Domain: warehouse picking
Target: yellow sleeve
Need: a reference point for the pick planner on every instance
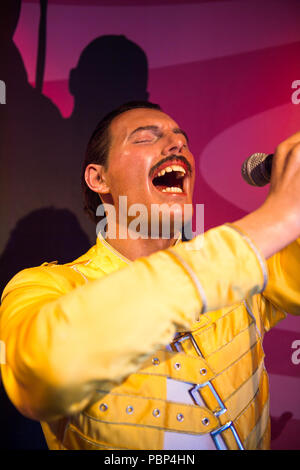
(283, 288)
(64, 340)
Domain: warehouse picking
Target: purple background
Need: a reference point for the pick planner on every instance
(222, 69)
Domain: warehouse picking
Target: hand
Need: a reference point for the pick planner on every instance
(277, 222)
(284, 194)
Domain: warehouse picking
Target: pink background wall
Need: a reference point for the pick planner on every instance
(223, 69)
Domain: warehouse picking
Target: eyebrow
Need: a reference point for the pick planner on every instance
(157, 131)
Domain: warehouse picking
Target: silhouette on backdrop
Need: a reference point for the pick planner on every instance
(41, 156)
(111, 71)
(47, 229)
(44, 227)
(27, 122)
(41, 152)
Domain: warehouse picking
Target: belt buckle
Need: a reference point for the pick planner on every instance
(176, 344)
(217, 433)
(208, 384)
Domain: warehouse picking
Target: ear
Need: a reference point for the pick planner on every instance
(95, 178)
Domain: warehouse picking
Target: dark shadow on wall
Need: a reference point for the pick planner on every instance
(279, 423)
(47, 234)
(111, 70)
(41, 153)
(18, 432)
(40, 236)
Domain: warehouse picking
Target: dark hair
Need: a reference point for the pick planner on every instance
(98, 149)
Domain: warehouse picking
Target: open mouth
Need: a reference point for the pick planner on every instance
(170, 178)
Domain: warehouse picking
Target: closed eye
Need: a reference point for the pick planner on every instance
(142, 141)
(145, 134)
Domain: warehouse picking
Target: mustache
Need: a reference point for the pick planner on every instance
(170, 158)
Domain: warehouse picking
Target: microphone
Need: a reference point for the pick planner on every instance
(256, 170)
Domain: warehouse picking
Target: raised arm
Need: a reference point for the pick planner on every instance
(63, 341)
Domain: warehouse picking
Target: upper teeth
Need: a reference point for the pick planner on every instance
(168, 169)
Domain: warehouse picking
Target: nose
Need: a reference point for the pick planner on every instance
(173, 143)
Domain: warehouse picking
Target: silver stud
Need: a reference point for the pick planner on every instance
(156, 413)
(129, 410)
(205, 421)
(155, 361)
(203, 371)
(103, 407)
(177, 365)
(180, 417)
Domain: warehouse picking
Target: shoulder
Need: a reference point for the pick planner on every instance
(60, 278)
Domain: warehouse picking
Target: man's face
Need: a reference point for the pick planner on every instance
(149, 160)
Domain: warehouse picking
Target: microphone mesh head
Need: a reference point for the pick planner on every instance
(254, 170)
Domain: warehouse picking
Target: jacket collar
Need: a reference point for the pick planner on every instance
(106, 252)
(111, 252)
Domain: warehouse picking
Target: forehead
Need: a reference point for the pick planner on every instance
(127, 122)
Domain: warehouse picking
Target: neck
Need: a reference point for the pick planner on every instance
(136, 248)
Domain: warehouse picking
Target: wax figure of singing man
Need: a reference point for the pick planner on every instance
(152, 343)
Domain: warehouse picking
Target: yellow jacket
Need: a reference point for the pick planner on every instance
(86, 344)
